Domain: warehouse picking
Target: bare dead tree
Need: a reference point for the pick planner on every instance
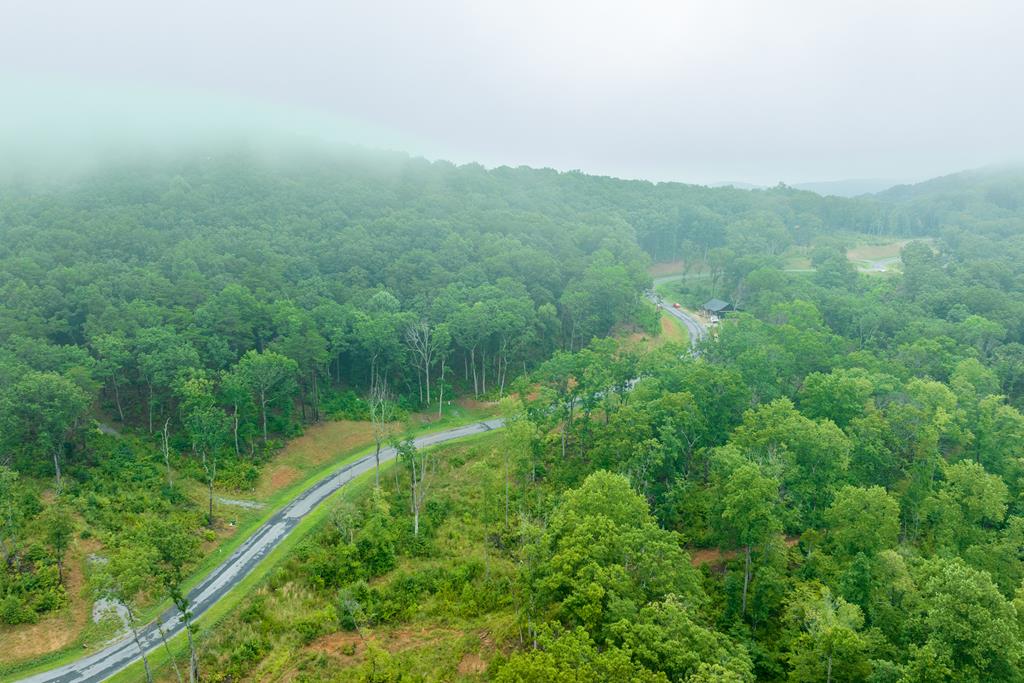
(418, 462)
(440, 384)
(427, 344)
(382, 415)
(167, 451)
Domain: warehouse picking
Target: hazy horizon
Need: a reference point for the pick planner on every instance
(739, 92)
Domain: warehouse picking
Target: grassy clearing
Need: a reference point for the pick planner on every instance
(871, 254)
(873, 251)
(667, 268)
(318, 445)
(68, 634)
(673, 330)
(672, 292)
(667, 290)
(670, 329)
(880, 256)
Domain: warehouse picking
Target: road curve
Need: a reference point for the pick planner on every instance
(693, 326)
(104, 663)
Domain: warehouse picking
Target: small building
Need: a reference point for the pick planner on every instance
(716, 308)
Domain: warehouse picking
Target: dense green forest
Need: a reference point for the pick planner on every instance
(848, 445)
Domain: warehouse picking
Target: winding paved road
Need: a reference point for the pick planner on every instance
(693, 326)
(113, 658)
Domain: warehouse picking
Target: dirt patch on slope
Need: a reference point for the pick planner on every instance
(474, 404)
(320, 444)
(351, 648)
(472, 663)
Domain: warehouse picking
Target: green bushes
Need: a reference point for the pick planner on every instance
(249, 651)
(465, 588)
(345, 405)
(30, 588)
(375, 547)
(14, 610)
(325, 567)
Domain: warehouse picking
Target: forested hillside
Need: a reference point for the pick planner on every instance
(847, 447)
(829, 492)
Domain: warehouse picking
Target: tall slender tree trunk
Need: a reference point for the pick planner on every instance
(210, 467)
(117, 397)
(746, 579)
(167, 648)
(234, 428)
(415, 501)
(483, 371)
(426, 371)
(138, 643)
(506, 486)
(440, 389)
(56, 469)
(376, 473)
(167, 451)
(193, 661)
(316, 396)
(263, 411)
(472, 358)
(502, 372)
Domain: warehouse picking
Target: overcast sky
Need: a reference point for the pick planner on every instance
(693, 91)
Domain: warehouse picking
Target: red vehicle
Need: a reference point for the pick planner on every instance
(676, 306)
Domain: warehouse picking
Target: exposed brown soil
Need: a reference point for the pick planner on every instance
(472, 663)
(474, 404)
(712, 556)
(318, 445)
(339, 644)
(281, 476)
(717, 558)
(397, 640)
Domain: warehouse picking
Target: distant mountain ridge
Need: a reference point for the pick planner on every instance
(852, 187)
(992, 181)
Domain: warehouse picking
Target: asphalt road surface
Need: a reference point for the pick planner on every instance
(113, 658)
(693, 326)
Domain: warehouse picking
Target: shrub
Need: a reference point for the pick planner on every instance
(345, 405)
(14, 611)
(246, 655)
(314, 625)
(376, 549)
